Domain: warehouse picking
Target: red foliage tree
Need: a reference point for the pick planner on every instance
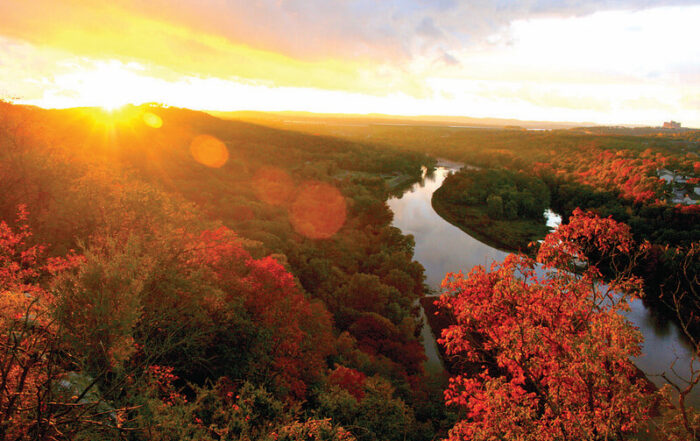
(349, 379)
(32, 403)
(376, 335)
(300, 330)
(551, 347)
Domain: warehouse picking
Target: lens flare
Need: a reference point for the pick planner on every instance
(273, 185)
(209, 151)
(319, 211)
(152, 120)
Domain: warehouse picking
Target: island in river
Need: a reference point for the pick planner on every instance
(499, 207)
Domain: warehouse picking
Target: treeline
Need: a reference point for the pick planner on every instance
(611, 174)
(659, 223)
(569, 150)
(683, 134)
(177, 276)
(504, 194)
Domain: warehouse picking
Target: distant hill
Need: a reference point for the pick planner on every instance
(377, 118)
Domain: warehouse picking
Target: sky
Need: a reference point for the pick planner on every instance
(607, 62)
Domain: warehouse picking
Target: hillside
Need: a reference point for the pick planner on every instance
(218, 275)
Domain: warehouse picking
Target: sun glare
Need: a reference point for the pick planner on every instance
(601, 73)
(152, 120)
(209, 151)
(111, 106)
(109, 85)
(124, 116)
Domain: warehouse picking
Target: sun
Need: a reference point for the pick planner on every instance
(112, 85)
(125, 116)
(111, 106)
(108, 84)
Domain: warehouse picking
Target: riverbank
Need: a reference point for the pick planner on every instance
(505, 235)
(437, 322)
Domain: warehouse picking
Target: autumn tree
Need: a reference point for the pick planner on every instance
(377, 415)
(548, 350)
(293, 333)
(26, 339)
(311, 430)
(42, 397)
(681, 294)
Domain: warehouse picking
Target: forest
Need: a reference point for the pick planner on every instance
(504, 207)
(183, 277)
(166, 274)
(609, 171)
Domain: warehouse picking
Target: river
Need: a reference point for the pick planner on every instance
(441, 248)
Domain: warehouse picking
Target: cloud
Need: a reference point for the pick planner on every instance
(366, 47)
(306, 29)
(428, 29)
(107, 31)
(449, 60)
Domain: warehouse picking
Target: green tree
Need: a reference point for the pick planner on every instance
(494, 206)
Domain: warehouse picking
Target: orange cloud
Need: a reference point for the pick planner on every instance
(110, 31)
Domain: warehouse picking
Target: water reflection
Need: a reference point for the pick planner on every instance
(553, 219)
(442, 248)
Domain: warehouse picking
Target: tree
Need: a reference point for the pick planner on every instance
(494, 206)
(41, 398)
(294, 333)
(379, 415)
(311, 430)
(549, 350)
(681, 294)
(510, 210)
(349, 379)
(27, 334)
(99, 305)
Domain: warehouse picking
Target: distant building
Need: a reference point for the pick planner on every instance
(672, 125)
(666, 175)
(671, 176)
